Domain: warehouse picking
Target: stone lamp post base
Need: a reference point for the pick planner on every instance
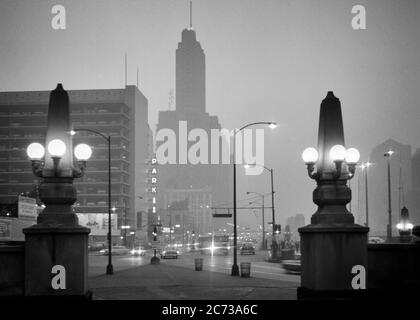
(49, 245)
(329, 253)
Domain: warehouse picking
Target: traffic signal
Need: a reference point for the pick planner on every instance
(154, 234)
(277, 228)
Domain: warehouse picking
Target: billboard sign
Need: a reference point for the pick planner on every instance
(5, 229)
(98, 223)
(27, 207)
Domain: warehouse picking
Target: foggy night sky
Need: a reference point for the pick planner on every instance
(265, 60)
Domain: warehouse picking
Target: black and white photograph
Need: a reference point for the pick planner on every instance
(212, 155)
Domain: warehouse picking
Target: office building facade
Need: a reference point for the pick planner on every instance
(120, 113)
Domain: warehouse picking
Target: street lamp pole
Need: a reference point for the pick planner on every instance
(235, 268)
(273, 243)
(389, 226)
(263, 246)
(125, 227)
(109, 267)
(350, 200)
(170, 228)
(367, 165)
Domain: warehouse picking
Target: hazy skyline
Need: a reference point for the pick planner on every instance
(265, 60)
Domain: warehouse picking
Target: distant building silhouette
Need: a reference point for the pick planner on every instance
(378, 186)
(415, 194)
(295, 222)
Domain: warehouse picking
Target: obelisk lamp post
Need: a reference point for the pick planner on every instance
(332, 244)
(56, 248)
(405, 227)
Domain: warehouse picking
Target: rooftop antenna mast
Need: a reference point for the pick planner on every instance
(190, 14)
(171, 99)
(125, 70)
(401, 188)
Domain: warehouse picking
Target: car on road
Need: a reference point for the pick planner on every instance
(138, 251)
(192, 248)
(292, 266)
(376, 240)
(169, 253)
(247, 248)
(223, 250)
(116, 250)
(96, 246)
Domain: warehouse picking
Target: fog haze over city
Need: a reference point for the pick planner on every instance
(265, 60)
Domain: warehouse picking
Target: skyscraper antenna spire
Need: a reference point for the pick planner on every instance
(171, 99)
(125, 69)
(190, 14)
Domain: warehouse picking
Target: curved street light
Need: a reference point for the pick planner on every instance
(109, 267)
(272, 125)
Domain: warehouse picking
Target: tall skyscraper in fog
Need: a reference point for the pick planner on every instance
(190, 74)
(204, 185)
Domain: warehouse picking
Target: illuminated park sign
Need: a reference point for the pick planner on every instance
(153, 187)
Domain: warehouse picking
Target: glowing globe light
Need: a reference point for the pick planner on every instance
(310, 155)
(57, 148)
(272, 125)
(352, 156)
(405, 226)
(35, 151)
(82, 152)
(338, 153)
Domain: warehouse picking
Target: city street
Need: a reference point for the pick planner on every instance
(98, 262)
(260, 268)
(135, 278)
(237, 150)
